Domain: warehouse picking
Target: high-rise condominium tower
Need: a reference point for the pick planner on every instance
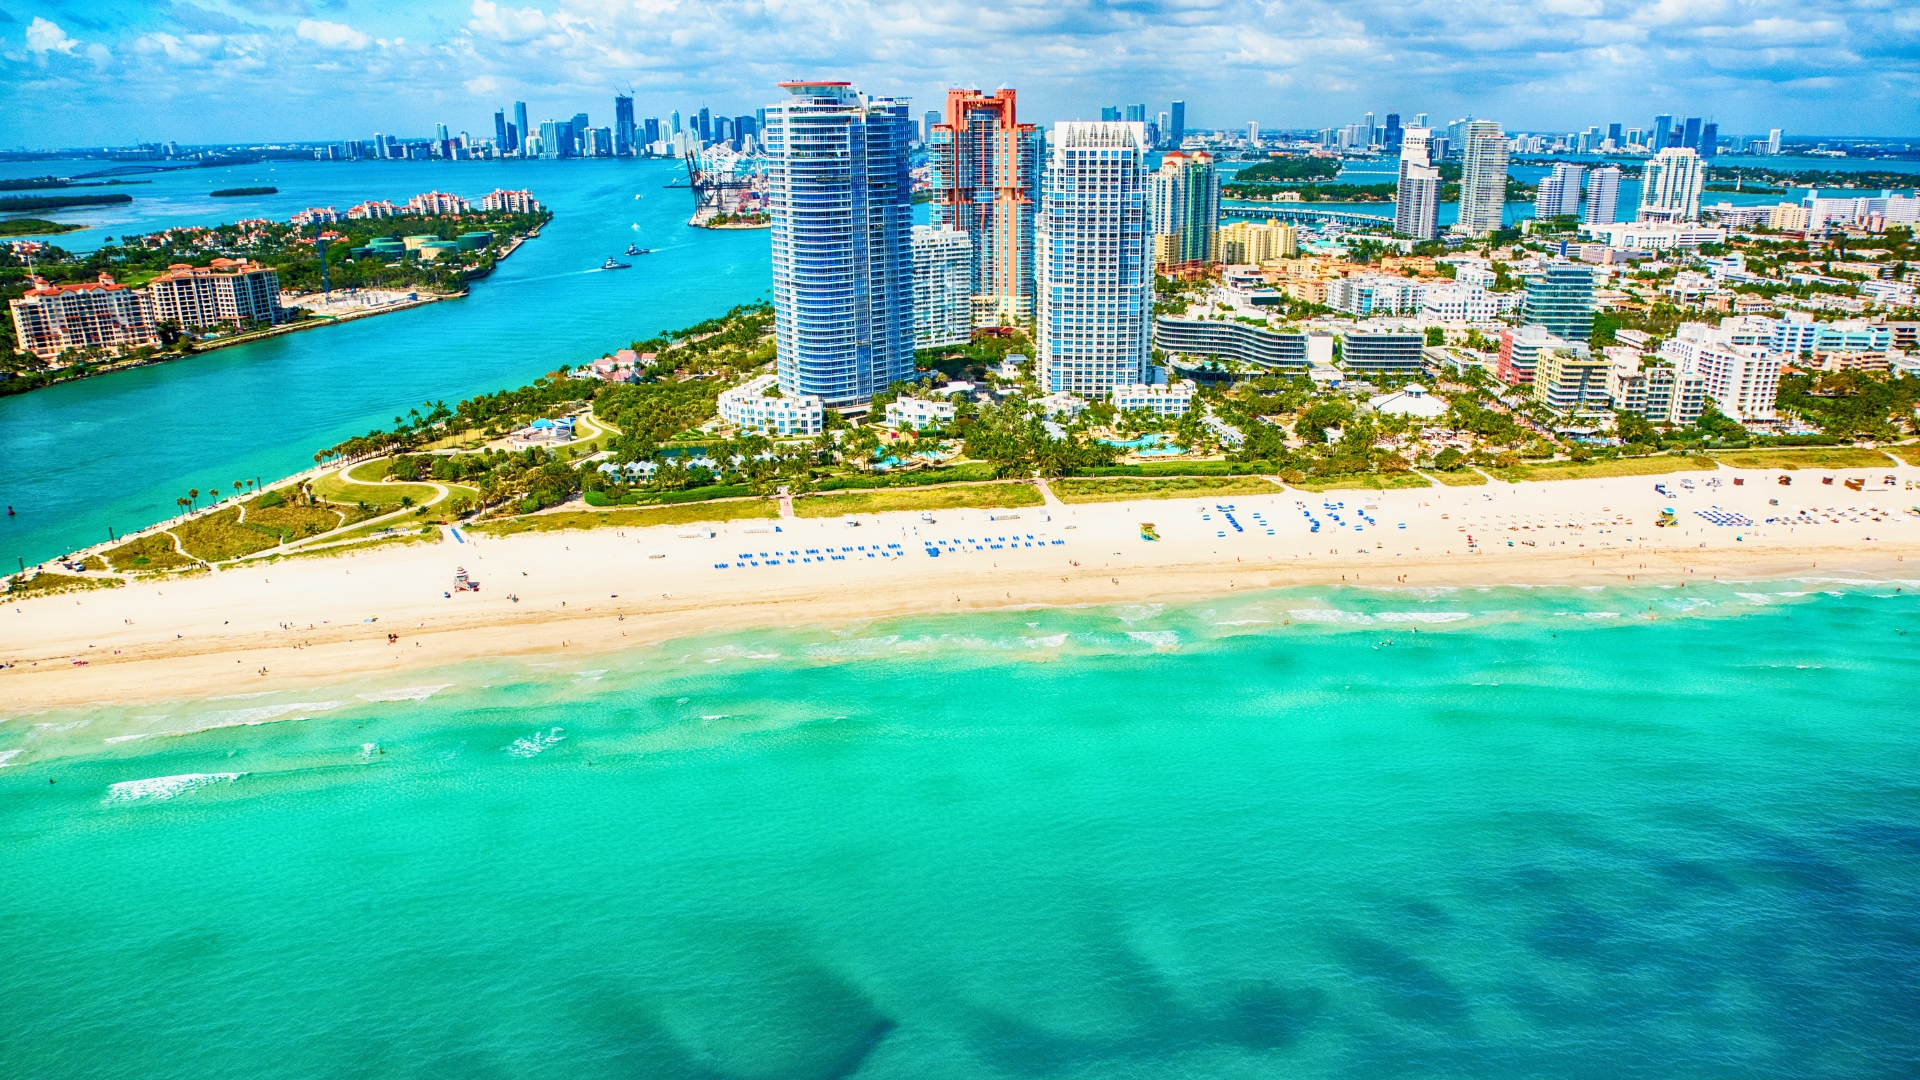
(1483, 178)
(1662, 128)
(520, 124)
(1185, 213)
(986, 184)
(623, 131)
(1670, 186)
(1603, 196)
(942, 287)
(1559, 192)
(1177, 134)
(1095, 274)
(842, 204)
(500, 130)
(1417, 199)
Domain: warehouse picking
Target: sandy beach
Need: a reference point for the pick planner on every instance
(311, 620)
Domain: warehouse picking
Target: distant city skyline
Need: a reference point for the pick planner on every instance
(114, 73)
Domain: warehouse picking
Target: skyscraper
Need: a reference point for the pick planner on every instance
(1613, 135)
(1420, 120)
(942, 287)
(705, 125)
(1603, 196)
(926, 128)
(500, 130)
(623, 129)
(1095, 278)
(1185, 212)
(577, 129)
(842, 204)
(1562, 301)
(985, 168)
(674, 117)
(1662, 127)
(1178, 133)
(520, 123)
(1483, 179)
(556, 139)
(651, 134)
(1709, 140)
(1136, 114)
(1109, 114)
(1670, 186)
(1559, 192)
(1393, 132)
(1417, 200)
(1773, 142)
(1691, 138)
(1368, 133)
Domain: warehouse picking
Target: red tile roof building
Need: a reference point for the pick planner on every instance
(50, 319)
(232, 291)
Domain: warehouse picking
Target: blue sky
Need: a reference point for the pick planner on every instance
(83, 72)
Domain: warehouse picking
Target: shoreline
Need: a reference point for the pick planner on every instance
(311, 621)
(265, 333)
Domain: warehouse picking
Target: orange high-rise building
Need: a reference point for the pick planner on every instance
(986, 183)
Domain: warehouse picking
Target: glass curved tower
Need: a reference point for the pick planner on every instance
(841, 198)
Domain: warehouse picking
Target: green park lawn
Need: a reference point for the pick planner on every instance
(1089, 489)
(965, 496)
(1809, 457)
(1586, 470)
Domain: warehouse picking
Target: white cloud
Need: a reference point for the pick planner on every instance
(331, 35)
(44, 36)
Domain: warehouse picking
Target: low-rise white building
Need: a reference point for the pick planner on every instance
(1062, 403)
(1457, 302)
(1170, 400)
(1410, 400)
(749, 406)
(919, 413)
(1654, 236)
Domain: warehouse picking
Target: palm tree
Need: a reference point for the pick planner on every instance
(182, 504)
(193, 494)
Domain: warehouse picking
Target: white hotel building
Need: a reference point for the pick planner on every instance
(1742, 380)
(1170, 400)
(1094, 259)
(749, 407)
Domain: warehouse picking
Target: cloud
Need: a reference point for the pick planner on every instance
(44, 36)
(1835, 66)
(332, 35)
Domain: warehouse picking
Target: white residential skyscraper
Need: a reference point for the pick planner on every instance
(1603, 196)
(1417, 201)
(1094, 265)
(942, 287)
(1559, 192)
(1670, 186)
(1483, 178)
(841, 197)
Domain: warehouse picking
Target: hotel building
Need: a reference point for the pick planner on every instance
(985, 168)
(1095, 274)
(1417, 199)
(1483, 178)
(1670, 187)
(749, 407)
(841, 200)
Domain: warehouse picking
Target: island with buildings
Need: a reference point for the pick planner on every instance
(161, 295)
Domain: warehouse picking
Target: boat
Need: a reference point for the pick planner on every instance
(635, 249)
(610, 264)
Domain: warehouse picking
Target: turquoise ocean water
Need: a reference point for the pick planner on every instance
(116, 451)
(1320, 832)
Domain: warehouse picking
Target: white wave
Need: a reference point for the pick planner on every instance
(1758, 598)
(1599, 614)
(594, 672)
(852, 648)
(735, 652)
(1134, 613)
(1837, 581)
(1052, 641)
(8, 755)
(710, 717)
(1423, 616)
(536, 743)
(1244, 622)
(405, 693)
(368, 749)
(1793, 594)
(1161, 639)
(266, 714)
(166, 787)
(243, 697)
(1328, 615)
(1688, 604)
